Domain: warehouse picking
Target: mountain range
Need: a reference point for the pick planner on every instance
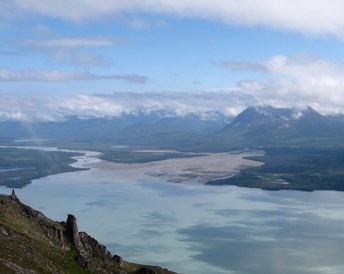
(284, 124)
(302, 146)
(254, 126)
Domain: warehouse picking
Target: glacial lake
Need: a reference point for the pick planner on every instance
(194, 228)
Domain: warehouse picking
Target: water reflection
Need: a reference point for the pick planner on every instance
(193, 228)
(281, 243)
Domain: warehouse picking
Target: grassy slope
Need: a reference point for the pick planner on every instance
(29, 243)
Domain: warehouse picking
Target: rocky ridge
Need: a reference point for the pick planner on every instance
(32, 243)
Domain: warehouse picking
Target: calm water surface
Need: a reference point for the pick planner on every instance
(192, 228)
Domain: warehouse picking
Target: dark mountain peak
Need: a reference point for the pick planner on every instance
(268, 113)
(260, 115)
(311, 113)
(267, 120)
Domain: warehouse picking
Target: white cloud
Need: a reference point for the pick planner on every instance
(321, 17)
(72, 43)
(47, 108)
(300, 80)
(84, 105)
(23, 108)
(139, 24)
(55, 75)
(278, 93)
(33, 75)
(243, 66)
(79, 58)
(66, 50)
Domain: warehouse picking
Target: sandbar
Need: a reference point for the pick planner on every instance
(200, 168)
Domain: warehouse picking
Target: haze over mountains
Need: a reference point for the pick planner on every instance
(263, 123)
(57, 109)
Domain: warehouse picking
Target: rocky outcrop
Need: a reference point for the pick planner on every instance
(14, 196)
(96, 258)
(32, 243)
(91, 255)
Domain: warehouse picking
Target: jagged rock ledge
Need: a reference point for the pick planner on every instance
(32, 243)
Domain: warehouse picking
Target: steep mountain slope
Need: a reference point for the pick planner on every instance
(266, 124)
(304, 149)
(32, 243)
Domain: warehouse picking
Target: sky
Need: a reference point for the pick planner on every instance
(107, 57)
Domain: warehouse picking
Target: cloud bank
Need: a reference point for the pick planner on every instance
(321, 17)
(56, 75)
(205, 105)
(296, 81)
(279, 81)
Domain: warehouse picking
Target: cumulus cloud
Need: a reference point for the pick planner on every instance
(55, 75)
(322, 17)
(300, 80)
(22, 108)
(205, 105)
(85, 105)
(31, 108)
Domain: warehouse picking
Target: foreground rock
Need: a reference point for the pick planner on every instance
(32, 243)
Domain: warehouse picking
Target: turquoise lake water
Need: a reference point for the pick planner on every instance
(193, 228)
